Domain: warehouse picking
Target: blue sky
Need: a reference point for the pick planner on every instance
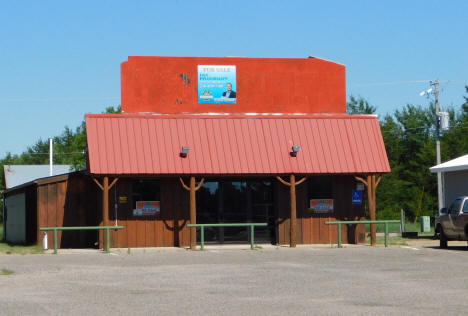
(61, 59)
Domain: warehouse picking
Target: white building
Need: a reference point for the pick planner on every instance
(454, 178)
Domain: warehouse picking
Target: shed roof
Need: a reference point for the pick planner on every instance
(141, 144)
(457, 164)
(15, 175)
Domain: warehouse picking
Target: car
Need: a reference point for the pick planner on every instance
(452, 222)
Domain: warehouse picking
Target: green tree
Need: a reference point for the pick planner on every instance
(359, 106)
(408, 136)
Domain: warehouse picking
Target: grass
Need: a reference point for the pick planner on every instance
(6, 272)
(20, 249)
(392, 241)
(395, 228)
(17, 249)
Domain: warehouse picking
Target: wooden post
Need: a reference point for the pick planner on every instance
(293, 220)
(371, 199)
(105, 200)
(105, 187)
(193, 214)
(371, 184)
(193, 208)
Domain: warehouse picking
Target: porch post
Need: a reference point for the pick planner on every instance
(293, 220)
(371, 183)
(371, 199)
(105, 187)
(193, 214)
(105, 201)
(193, 188)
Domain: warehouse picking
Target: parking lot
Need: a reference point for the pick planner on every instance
(419, 279)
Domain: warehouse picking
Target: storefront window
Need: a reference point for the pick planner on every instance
(236, 201)
(145, 190)
(320, 187)
(320, 192)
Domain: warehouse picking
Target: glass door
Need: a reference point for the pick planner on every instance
(237, 201)
(262, 208)
(234, 205)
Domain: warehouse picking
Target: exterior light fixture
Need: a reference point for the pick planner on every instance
(184, 152)
(295, 150)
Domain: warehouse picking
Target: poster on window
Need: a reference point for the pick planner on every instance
(321, 206)
(146, 208)
(217, 84)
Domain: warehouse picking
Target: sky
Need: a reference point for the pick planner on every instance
(61, 59)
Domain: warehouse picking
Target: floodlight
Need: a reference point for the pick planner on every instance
(184, 152)
(295, 150)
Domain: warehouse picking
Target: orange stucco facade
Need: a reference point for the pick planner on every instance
(264, 85)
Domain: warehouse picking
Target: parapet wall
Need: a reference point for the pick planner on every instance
(261, 85)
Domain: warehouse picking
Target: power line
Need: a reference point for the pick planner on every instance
(394, 83)
(391, 83)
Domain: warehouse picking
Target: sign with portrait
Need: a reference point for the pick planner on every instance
(146, 208)
(321, 206)
(217, 84)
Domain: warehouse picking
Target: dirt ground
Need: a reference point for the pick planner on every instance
(418, 279)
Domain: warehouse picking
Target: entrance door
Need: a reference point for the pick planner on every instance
(234, 210)
(262, 209)
(237, 201)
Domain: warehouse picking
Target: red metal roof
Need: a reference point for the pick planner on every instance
(234, 144)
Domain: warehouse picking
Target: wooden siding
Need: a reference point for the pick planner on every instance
(311, 228)
(77, 201)
(68, 202)
(168, 229)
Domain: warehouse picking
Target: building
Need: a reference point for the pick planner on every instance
(223, 140)
(21, 224)
(454, 178)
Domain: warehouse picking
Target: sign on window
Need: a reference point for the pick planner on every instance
(321, 206)
(146, 208)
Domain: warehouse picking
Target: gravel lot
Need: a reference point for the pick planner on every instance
(271, 281)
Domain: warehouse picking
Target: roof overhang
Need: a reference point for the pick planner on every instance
(457, 164)
(150, 144)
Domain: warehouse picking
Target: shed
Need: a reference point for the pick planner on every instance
(18, 203)
(14, 175)
(64, 200)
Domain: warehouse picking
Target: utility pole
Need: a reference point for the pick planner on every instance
(51, 157)
(439, 175)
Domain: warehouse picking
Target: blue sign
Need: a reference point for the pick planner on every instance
(217, 84)
(357, 197)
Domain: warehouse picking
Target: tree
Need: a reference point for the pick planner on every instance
(359, 106)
